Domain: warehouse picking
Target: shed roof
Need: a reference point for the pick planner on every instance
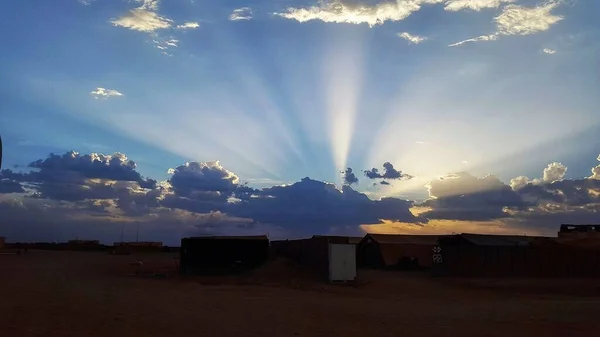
(499, 240)
(405, 239)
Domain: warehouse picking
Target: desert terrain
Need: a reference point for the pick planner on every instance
(45, 293)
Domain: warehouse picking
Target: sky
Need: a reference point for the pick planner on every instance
(293, 118)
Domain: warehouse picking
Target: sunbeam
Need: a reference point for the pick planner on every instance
(342, 77)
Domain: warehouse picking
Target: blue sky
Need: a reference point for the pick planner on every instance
(281, 90)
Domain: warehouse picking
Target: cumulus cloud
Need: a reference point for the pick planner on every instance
(521, 20)
(189, 25)
(243, 13)
(462, 196)
(73, 177)
(351, 12)
(412, 38)
(349, 177)
(98, 191)
(389, 172)
(144, 18)
(311, 206)
(519, 182)
(596, 171)
(475, 5)
(192, 177)
(554, 172)
(549, 51)
(104, 93)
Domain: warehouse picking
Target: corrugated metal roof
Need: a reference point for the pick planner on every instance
(499, 240)
(406, 239)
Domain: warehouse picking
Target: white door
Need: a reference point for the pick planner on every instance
(342, 262)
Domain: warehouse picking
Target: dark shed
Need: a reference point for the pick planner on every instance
(222, 253)
(396, 251)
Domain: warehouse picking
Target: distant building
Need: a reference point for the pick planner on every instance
(396, 251)
(579, 231)
(481, 255)
(139, 244)
(485, 240)
(222, 253)
(84, 242)
(353, 240)
(83, 245)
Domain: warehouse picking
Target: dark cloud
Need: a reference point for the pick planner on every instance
(68, 193)
(314, 206)
(389, 172)
(73, 167)
(72, 176)
(10, 186)
(193, 179)
(349, 177)
(462, 196)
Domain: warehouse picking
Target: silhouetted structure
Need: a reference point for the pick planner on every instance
(316, 253)
(353, 240)
(84, 245)
(222, 253)
(579, 231)
(139, 245)
(2, 241)
(387, 251)
(477, 255)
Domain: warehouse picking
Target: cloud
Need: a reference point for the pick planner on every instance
(549, 51)
(193, 177)
(462, 196)
(475, 5)
(86, 2)
(8, 185)
(311, 206)
(350, 12)
(596, 171)
(188, 25)
(476, 39)
(348, 177)
(96, 192)
(389, 172)
(554, 172)
(144, 18)
(244, 13)
(105, 93)
(520, 20)
(412, 38)
(74, 177)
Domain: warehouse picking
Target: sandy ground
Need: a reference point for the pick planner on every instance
(95, 294)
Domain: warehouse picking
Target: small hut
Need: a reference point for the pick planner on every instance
(386, 251)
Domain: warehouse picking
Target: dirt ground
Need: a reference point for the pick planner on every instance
(95, 294)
